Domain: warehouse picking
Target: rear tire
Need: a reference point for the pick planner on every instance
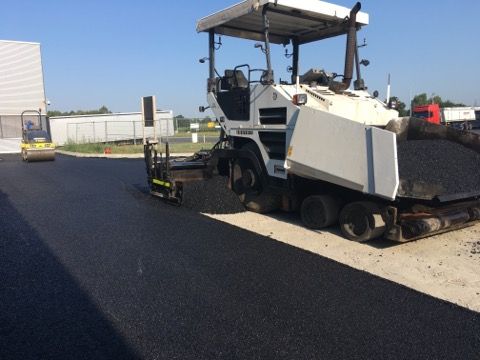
(247, 184)
(319, 211)
(361, 221)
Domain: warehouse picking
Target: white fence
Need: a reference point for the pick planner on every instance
(104, 128)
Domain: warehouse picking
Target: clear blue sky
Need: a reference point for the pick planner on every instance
(113, 52)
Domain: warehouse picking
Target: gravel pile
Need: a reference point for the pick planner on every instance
(451, 166)
(211, 196)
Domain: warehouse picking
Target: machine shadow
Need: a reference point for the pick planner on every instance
(293, 218)
(44, 314)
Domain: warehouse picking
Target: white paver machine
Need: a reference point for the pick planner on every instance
(318, 142)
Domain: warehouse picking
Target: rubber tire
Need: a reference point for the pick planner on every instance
(319, 211)
(246, 183)
(361, 221)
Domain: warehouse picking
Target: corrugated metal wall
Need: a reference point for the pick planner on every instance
(21, 84)
(108, 127)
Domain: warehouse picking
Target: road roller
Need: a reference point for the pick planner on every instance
(36, 143)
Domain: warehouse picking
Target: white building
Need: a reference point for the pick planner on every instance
(21, 87)
(109, 127)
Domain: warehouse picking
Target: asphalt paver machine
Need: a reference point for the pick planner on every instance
(36, 144)
(318, 142)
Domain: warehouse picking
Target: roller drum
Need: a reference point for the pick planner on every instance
(40, 155)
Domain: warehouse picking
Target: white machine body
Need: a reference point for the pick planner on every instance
(333, 136)
(336, 138)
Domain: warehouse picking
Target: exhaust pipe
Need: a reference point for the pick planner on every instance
(350, 51)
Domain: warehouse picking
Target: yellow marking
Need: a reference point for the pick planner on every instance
(37, 146)
(161, 183)
(290, 151)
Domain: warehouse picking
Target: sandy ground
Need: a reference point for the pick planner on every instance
(446, 266)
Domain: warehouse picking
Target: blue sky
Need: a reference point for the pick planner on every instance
(113, 52)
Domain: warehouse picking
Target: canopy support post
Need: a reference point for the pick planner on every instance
(295, 69)
(268, 77)
(211, 60)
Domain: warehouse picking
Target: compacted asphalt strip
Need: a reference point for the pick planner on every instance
(92, 267)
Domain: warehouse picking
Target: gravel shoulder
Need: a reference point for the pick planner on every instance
(446, 266)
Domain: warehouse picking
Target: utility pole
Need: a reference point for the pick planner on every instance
(388, 89)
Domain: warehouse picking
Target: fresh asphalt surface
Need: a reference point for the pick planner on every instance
(91, 267)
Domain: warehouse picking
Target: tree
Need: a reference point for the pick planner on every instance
(54, 113)
(423, 99)
(104, 110)
(420, 99)
(449, 103)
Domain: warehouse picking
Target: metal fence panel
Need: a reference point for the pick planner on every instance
(109, 131)
(107, 127)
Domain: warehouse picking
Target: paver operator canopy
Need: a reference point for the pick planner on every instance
(304, 21)
(288, 22)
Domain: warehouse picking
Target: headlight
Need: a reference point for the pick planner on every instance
(300, 99)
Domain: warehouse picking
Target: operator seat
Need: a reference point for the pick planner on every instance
(317, 76)
(234, 79)
(234, 100)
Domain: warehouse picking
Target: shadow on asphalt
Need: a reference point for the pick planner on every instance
(44, 314)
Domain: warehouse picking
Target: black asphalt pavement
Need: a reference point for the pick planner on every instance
(91, 267)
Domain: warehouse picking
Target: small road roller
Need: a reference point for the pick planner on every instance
(36, 143)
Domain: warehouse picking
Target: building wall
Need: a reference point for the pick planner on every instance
(108, 127)
(21, 84)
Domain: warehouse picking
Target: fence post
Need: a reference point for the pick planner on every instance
(93, 126)
(76, 133)
(106, 132)
(134, 134)
(1, 128)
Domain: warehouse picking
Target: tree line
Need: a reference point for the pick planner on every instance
(423, 99)
(101, 110)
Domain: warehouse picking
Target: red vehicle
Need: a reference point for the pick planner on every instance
(430, 113)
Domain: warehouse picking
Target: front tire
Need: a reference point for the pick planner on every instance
(247, 184)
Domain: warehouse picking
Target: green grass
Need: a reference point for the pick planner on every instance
(132, 149)
(200, 133)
